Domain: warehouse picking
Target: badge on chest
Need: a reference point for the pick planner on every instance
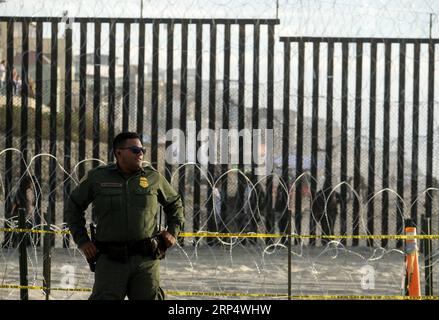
(143, 182)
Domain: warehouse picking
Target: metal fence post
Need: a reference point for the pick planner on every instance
(290, 217)
(426, 248)
(47, 254)
(24, 293)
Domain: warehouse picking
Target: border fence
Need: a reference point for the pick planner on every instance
(170, 101)
(150, 100)
(101, 97)
(357, 110)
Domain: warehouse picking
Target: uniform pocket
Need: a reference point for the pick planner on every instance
(145, 198)
(109, 199)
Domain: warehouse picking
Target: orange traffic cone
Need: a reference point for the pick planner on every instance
(412, 282)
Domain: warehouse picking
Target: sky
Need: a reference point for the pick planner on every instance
(310, 17)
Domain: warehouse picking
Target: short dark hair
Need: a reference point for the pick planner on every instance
(119, 140)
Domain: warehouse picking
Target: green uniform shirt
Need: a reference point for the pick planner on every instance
(126, 205)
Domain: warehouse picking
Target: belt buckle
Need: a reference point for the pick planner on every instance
(118, 253)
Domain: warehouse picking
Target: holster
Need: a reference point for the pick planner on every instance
(92, 262)
(154, 247)
(158, 247)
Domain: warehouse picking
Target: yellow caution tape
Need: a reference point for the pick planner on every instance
(225, 294)
(359, 297)
(250, 235)
(18, 230)
(13, 286)
(264, 235)
(71, 289)
(228, 235)
(237, 294)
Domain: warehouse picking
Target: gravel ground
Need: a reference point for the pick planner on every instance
(232, 273)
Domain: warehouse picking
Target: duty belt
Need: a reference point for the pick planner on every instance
(121, 251)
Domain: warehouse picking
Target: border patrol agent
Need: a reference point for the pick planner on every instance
(125, 196)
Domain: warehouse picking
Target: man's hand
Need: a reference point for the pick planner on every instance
(89, 250)
(169, 238)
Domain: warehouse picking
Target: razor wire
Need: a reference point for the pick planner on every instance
(222, 259)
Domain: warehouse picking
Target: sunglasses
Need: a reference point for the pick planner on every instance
(135, 149)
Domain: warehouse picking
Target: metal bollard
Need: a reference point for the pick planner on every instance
(289, 229)
(427, 244)
(24, 293)
(47, 254)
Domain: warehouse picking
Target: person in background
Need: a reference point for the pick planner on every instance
(2, 75)
(25, 198)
